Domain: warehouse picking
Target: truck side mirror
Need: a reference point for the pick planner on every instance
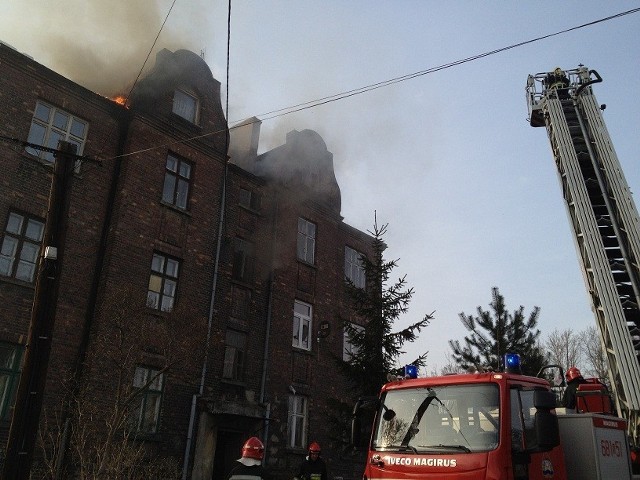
(365, 406)
(547, 431)
(356, 437)
(544, 400)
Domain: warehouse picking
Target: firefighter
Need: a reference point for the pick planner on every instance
(250, 464)
(556, 79)
(574, 378)
(313, 467)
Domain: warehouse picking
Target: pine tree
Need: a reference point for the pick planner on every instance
(496, 332)
(376, 347)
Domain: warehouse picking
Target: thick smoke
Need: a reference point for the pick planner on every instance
(103, 44)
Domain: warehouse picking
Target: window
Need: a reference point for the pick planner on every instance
(177, 178)
(10, 355)
(162, 282)
(302, 325)
(353, 268)
(297, 422)
(446, 416)
(249, 199)
(20, 247)
(146, 416)
(240, 301)
(523, 412)
(234, 355)
(306, 240)
(349, 349)
(50, 125)
(185, 105)
(243, 260)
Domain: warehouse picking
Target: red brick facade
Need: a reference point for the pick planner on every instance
(227, 359)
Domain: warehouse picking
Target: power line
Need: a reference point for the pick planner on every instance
(385, 83)
(42, 148)
(149, 52)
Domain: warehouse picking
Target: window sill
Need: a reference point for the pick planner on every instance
(157, 313)
(307, 264)
(248, 283)
(171, 206)
(183, 122)
(250, 210)
(302, 351)
(19, 283)
(51, 163)
(37, 159)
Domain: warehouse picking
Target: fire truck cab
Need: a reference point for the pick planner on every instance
(499, 426)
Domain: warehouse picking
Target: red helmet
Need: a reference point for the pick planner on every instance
(572, 374)
(253, 448)
(314, 447)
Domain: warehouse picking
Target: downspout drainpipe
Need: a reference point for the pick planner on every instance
(212, 301)
(267, 334)
(216, 267)
(265, 352)
(265, 364)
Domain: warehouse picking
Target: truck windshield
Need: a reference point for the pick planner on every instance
(460, 418)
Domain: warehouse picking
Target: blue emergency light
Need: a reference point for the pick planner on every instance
(410, 371)
(512, 363)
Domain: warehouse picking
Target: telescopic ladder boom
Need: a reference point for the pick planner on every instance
(603, 217)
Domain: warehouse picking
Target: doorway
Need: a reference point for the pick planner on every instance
(228, 450)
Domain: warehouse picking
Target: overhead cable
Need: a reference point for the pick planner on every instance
(385, 83)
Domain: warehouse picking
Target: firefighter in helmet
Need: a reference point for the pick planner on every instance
(574, 378)
(556, 79)
(249, 466)
(313, 467)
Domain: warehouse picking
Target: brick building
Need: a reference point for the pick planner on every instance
(200, 296)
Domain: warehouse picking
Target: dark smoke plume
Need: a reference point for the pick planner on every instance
(102, 44)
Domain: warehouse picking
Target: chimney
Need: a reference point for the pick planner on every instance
(243, 146)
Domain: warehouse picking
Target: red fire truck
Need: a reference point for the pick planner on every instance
(498, 426)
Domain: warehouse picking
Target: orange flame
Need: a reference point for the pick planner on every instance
(120, 99)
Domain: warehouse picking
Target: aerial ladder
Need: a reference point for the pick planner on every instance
(604, 220)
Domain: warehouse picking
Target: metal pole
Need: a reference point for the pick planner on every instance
(26, 414)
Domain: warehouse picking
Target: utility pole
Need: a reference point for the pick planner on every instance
(26, 414)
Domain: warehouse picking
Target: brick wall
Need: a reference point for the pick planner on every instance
(118, 220)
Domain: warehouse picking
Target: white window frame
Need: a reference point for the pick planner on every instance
(243, 267)
(147, 414)
(163, 282)
(177, 182)
(10, 361)
(306, 240)
(20, 246)
(298, 413)
(348, 348)
(353, 267)
(302, 325)
(186, 105)
(235, 354)
(240, 302)
(249, 199)
(51, 124)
